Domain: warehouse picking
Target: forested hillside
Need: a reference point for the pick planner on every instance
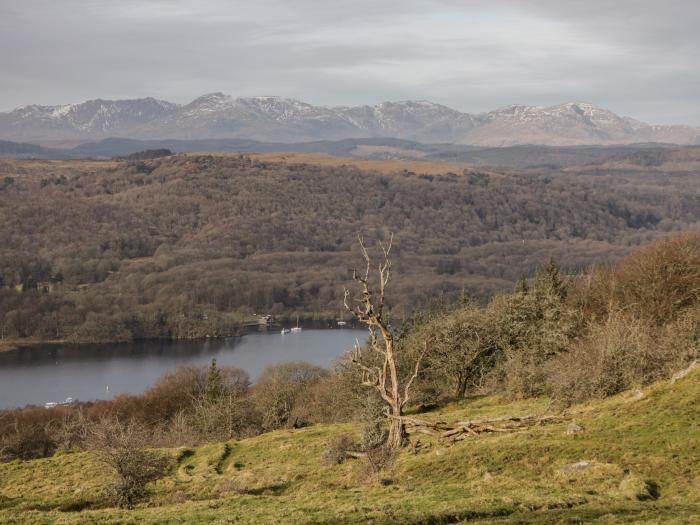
(182, 246)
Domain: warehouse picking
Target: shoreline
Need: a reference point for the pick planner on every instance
(9, 345)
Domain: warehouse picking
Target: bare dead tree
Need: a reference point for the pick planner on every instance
(384, 377)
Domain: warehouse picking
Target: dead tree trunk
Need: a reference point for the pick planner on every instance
(384, 377)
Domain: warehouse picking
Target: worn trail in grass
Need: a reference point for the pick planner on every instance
(637, 461)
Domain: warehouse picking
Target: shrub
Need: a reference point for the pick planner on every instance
(173, 393)
(380, 459)
(178, 431)
(372, 417)
(69, 433)
(334, 398)
(28, 442)
(121, 448)
(655, 283)
(279, 391)
(462, 350)
(222, 409)
(615, 356)
(225, 417)
(533, 325)
(336, 449)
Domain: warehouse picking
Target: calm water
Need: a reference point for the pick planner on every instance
(46, 373)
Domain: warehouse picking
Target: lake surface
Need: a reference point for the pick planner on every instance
(51, 373)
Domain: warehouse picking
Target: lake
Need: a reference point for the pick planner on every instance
(51, 373)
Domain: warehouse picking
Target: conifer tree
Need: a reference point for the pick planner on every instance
(215, 383)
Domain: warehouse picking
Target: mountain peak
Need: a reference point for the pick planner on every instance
(211, 98)
(277, 119)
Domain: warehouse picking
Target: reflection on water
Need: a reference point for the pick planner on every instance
(36, 375)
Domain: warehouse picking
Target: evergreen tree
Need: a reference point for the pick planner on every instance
(464, 298)
(521, 286)
(549, 282)
(215, 383)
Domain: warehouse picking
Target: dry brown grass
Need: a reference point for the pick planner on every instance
(37, 168)
(381, 166)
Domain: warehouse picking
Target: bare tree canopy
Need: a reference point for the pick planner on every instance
(383, 376)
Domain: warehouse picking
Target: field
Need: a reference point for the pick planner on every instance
(636, 461)
(425, 167)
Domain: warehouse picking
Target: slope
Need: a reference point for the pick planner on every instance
(637, 461)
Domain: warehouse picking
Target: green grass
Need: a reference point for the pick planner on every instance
(643, 455)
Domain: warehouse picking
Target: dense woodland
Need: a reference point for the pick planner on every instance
(187, 245)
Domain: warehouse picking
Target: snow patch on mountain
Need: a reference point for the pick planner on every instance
(272, 118)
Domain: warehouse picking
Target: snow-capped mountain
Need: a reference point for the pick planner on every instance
(260, 118)
(217, 115)
(420, 120)
(570, 124)
(94, 118)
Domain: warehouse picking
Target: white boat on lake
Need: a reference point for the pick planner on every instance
(53, 404)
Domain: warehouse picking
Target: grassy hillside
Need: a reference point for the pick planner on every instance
(636, 461)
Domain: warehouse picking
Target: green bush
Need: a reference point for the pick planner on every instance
(533, 325)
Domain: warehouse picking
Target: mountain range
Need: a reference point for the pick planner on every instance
(220, 116)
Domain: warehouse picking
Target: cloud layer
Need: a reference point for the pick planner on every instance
(636, 57)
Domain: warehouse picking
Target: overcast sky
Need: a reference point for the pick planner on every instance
(640, 58)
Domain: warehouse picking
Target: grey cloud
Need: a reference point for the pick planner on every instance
(637, 57)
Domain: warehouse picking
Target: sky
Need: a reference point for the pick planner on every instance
(639, 58)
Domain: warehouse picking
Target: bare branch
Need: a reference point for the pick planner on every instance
(375, 345)
(384, 269)
(406, 395)
(386, 265)
(368, 371)
(365, 254)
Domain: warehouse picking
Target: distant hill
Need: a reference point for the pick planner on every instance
(18, 148)
(115, 147)
(541, 158)
(276, 119)
(25, 150)
(525, 156)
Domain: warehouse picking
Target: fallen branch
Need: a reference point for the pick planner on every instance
(355, 455)
(462, 429)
